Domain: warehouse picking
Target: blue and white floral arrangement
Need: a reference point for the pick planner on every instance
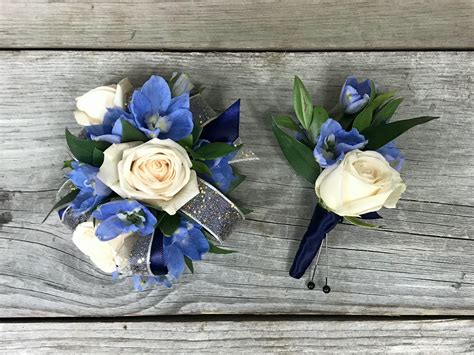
(146, 193)
(351, 159)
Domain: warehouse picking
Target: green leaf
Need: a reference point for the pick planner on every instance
(236, 182)
(189, 264)
(302, 103)
(83, 149)
(187, 141)
(386, 111)
(286, 122)
(131, 133)
(320, 116)
(359, 222)
(169, 223)
(201, 168)
(364, 118)
(215, 150)
(213, 249)
(298, 155)
(373, 91)
(197, 130)
(380, 135)
(68, 164)
(97, 157)
(62, 202)
(245, 210)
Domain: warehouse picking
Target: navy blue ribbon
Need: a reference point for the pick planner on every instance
(157, 258)
(225, 128)
(321, 223)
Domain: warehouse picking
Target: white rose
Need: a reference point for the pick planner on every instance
(106, 255)
(363, 182)
(157, 172)
(92, 106)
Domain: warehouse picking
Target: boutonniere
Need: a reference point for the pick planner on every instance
(147, 185)
(350, 157)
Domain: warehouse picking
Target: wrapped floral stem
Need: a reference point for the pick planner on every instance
(351, 158)
(147, 186)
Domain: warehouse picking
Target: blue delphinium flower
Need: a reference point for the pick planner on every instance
(354, 95)
(334, 142)
(92, 190)
(222, 173)
(157, 114)
(188, 240)
(111, 128)
(391, 154)
(123, 216)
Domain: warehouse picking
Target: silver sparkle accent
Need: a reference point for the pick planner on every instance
(215, 212)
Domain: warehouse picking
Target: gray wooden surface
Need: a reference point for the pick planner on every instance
(237, 337)
(421, 262)
(255, 25)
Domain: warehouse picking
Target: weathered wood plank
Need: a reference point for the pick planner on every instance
(230, 25)
(420, 262)
(444, 336)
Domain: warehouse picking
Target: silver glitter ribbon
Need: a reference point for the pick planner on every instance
(212, 210)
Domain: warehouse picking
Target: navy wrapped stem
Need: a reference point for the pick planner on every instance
(321, 223)
(157, 257)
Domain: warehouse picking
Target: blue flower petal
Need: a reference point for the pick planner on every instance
(195, 245)
(140, 107)
(111, 228)
(110, 209)
(174, 259)
(179, 102)
(181, 125)
(158, 93)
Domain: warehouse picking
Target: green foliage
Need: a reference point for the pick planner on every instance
(189, 264)
(380, 135)
(285, 121)
(386, 112)
(320, 116)
(360, 222)
(237, 181)
(201, 168)
(214, 150)
(298, 155)
(97, 157)
(62, 202)
(364, 118)
(302, 103)
(83, 149)
(68, 164)
(214, 249)
(131, 133)
(168, 224)
(197, 130)
(187, 141)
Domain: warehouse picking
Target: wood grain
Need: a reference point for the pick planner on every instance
(237, 25)
(421, 261)
(443, 336)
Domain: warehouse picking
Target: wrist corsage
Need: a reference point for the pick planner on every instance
(348, 154)
(149, 177)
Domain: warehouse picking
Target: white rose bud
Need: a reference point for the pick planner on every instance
(92, 106)
(157, 172)
(363, 182)
(107, 256)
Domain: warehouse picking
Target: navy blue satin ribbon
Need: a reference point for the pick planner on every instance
(157, 258)
(321, 223)
(225, 128)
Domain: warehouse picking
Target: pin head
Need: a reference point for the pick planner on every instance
(311, 285)
(326, 289)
